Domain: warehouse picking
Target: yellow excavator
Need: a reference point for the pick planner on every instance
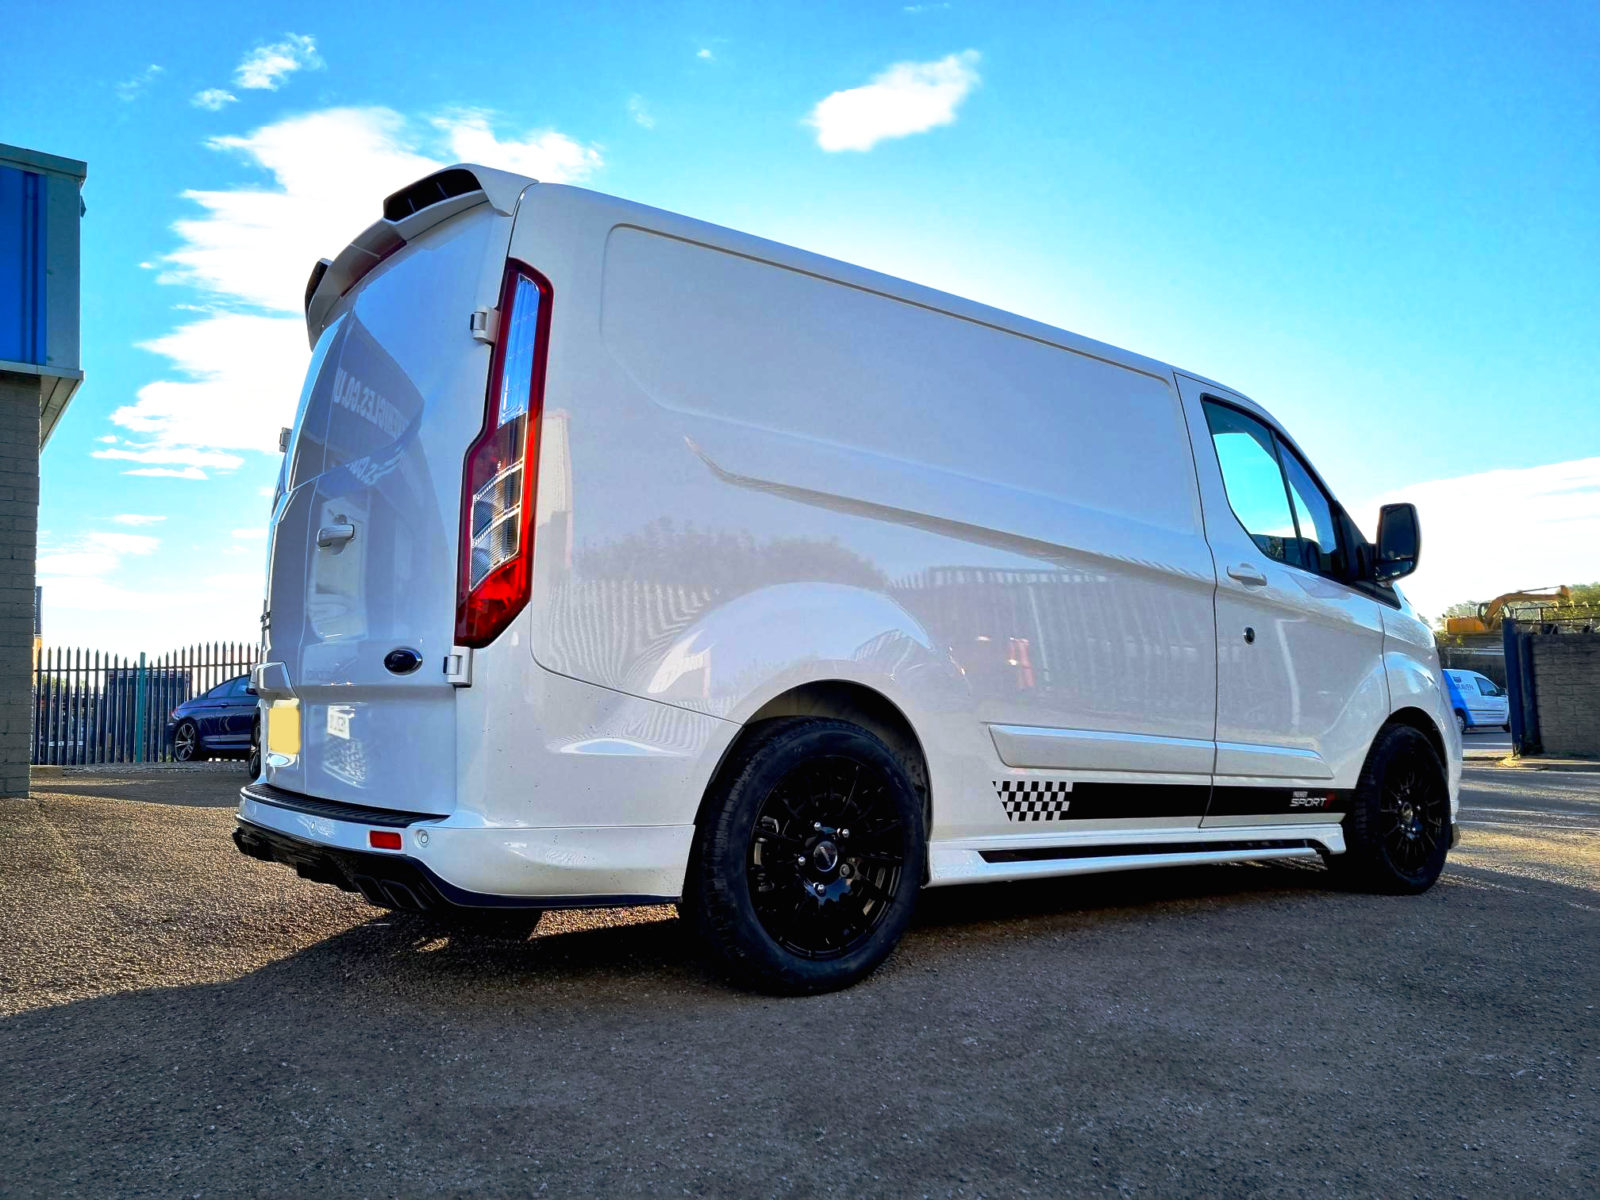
(1490, 614)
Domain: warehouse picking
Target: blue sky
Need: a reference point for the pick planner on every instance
(1381, 222)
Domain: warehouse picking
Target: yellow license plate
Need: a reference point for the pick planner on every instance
(283, 728)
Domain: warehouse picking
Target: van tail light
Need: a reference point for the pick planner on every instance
(499, 481)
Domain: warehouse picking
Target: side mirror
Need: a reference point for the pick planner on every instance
(1399, 542)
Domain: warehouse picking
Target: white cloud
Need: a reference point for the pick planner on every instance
(1501, 531)
(549, 156)
(907, 98)
(185, 456)
(640, 113)
(170, 473)
(137, 519)
(109, 439)
(240, 379)
(238, 374)
(331, 170)
(704, 54)
(132, 89)
(266, 67)
(256, 534)
(213, 99)
(91, 555)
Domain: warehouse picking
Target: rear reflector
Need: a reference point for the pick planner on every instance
(384, 839)
(498, 486)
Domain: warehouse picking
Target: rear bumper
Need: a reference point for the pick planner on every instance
(462, 866)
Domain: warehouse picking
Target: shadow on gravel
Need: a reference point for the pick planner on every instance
(1222, 1030)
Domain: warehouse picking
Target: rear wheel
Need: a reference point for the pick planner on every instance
(1398, 830)
(808, 860)
(1461, 721)
(253, 759)
(186, 745)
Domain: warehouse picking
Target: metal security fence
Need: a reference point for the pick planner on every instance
(94, 707)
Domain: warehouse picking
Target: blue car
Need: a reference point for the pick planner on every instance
(219, 722)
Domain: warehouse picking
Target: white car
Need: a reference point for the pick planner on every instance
(1477, 701)
(621, 558)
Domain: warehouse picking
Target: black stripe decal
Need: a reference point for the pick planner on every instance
(1028, 800)
(1052, 853)
(1274, 801)
(1033, 799)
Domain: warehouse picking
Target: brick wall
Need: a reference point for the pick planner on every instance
(1566, 677)
(19, 525)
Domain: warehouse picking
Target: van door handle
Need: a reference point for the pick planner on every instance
(335, 535)
(1247, 575)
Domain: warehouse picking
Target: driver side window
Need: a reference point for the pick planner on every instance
(1272, 492)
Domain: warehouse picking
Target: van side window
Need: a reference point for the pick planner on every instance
(1254, 480)
(1279, 503)
(1313, 513)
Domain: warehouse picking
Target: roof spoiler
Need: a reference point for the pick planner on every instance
(412, 210)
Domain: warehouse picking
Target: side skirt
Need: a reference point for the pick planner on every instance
(978, 860)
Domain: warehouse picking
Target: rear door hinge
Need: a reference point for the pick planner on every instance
(458, 666)
(485, 324)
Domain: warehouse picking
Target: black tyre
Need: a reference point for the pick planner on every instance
(1397, 832)
(1461, 722)
(253, 759)
(186, 745)
(809, 857)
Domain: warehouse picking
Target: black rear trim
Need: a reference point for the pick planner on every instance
(315, 281)
(396, 881)
(360, 814)
(430, 191)
(1050, 853)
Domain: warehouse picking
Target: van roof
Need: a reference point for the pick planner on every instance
(423, 204)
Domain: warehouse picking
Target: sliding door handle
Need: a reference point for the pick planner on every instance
(1247, 575)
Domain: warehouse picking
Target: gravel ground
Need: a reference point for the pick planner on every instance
(179, 1020)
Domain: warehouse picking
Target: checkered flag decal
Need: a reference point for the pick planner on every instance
(1034, 799)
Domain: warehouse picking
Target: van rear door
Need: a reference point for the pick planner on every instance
(365, 536)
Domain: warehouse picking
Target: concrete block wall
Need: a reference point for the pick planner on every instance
(1566, 678)
(19, 537)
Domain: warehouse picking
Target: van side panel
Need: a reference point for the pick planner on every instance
(754, 475)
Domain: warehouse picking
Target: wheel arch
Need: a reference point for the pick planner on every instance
(845, 700)
(1424, 724)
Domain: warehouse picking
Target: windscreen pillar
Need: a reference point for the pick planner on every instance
(41, 208)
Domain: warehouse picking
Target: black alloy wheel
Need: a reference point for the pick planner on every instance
(1413, 817)
(186, 742)
(810, 855)
(826, 857)
(1398, 832)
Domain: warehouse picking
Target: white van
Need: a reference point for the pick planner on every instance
(1478, 701)
(620, 558)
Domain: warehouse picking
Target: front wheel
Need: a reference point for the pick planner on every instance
(1397, 832)
(808, 859)
(186, 742)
